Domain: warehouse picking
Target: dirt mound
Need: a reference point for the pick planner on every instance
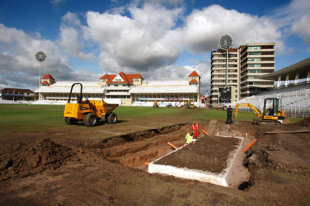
(29, 159)
(305, 122)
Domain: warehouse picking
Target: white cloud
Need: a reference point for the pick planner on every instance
(149, 41)
(18, 66)
(71, 19)
(293, 17)
(205, 27)
(286, 15)
(72, 38)
(145, 41)
(301, 27)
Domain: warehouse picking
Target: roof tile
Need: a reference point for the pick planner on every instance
(193, 81)
(48, 76)
(194, 74)
(128, 78)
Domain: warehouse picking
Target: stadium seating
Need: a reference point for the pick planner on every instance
(295, 99)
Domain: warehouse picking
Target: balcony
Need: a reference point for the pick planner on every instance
(117, 93)
(117, 88)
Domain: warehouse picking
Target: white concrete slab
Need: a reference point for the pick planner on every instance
(204, 176)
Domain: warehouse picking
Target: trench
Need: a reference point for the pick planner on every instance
(252, 170)
(134, 150)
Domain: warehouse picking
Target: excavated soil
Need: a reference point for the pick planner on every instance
(133, 150)
(209, 153)
(74, 167)
(22, 160)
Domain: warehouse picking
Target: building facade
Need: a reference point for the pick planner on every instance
(47, 80)
(125, 89)
(256, 60)
(16, 94)
(218, 72)
(245, 65)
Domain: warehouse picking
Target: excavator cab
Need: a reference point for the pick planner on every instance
(273, 109)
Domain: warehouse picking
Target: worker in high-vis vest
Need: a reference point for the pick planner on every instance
(195, 129)
(188, 138)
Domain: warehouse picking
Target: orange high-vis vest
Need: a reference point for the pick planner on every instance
(193, 127)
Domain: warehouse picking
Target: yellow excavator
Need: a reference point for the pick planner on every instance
(272, 111)
(88, 111)
(190, 104)
(155, 104)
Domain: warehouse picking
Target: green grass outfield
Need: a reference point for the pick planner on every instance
(34, 117)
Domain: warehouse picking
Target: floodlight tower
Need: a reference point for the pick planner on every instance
(225, 43)
(40, 56)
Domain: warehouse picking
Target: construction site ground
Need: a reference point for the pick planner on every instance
(105, 165)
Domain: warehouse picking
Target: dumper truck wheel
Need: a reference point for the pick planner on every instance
(112, 118)
(70, 121)
(90, 120)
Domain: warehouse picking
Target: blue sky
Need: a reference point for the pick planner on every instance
(159, 39)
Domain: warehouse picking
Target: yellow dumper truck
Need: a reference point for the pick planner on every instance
(88, 111)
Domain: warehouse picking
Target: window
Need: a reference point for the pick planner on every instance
(254, 53)
(254, 83)
(254, 71)
(219, 55)
(254, 47)
(219, 65)
(233, 55)
(254, 59)
(254, 65)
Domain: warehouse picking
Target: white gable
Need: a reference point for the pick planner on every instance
(118, 78)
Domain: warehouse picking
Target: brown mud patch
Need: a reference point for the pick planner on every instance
(27, 159)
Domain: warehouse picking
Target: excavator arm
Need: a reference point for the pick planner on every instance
(255, 110)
